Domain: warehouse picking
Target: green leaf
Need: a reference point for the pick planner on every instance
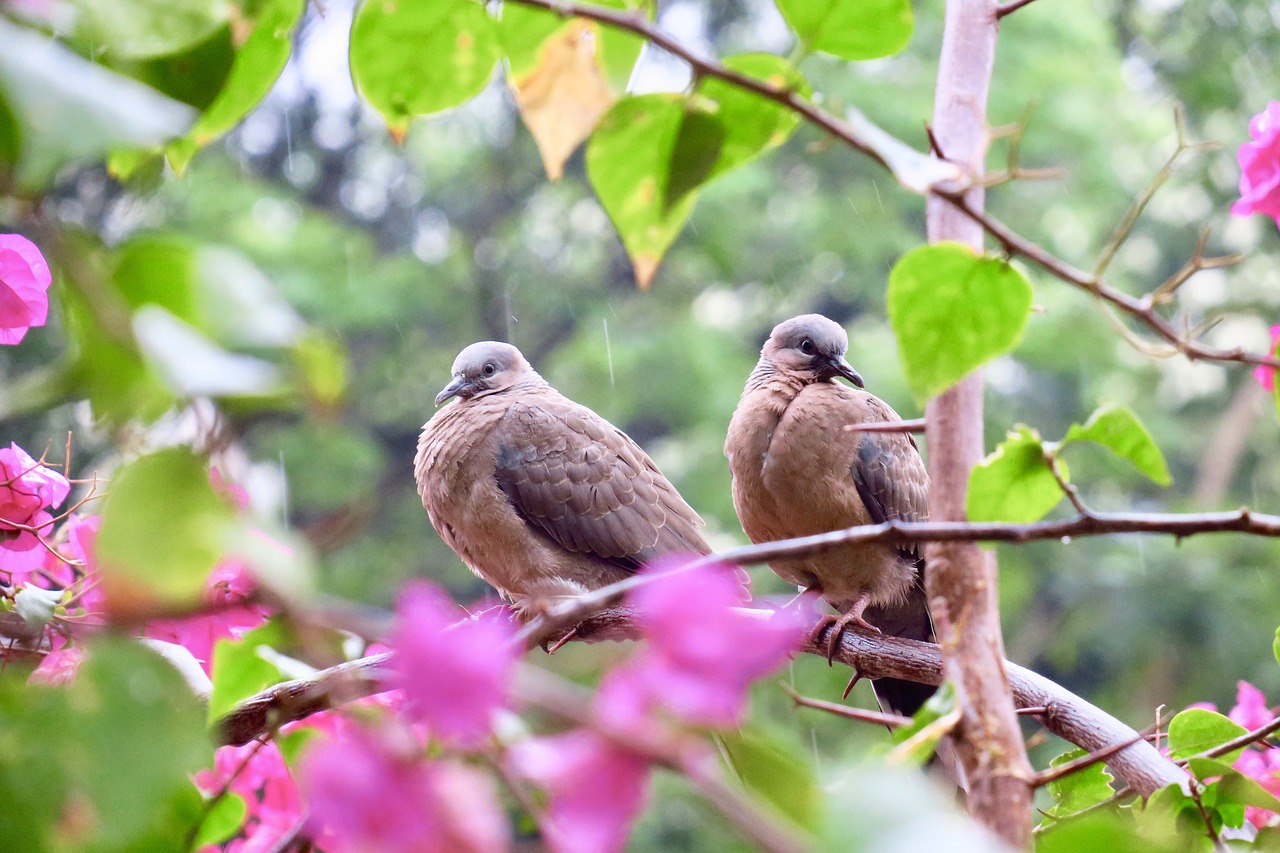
(1118, 429)
(292, 744)
(525, 28)
(163, 528)
(772, 770)
(697, 148)
(416, 57)
(1103, 831)
(239, 671)
(1198, 729)
(194, 366)
(139, 29)
(1081, 789)
(952, 311)
(1234, 786)
(850, 29)
(1015, 482)
(221, 821)
(321, 363)
(920, 742)
(70, 109)
(753, 124)
(629, 162)
(258, 63)
(1275, 646)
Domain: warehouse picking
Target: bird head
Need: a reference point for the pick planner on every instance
(810, 347)
(484, 368)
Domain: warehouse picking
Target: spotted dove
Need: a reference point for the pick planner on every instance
(797, 470)
(540, 496)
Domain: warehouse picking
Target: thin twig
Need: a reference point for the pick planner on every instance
(1072, 493)
(1010, 7)
(877, 717)
(1237, 742)
(1053, 774)
(909, 425)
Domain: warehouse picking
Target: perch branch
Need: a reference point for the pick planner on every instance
(874, 655)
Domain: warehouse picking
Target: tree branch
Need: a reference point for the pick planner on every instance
(874, 655)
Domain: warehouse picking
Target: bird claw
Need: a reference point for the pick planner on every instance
(555, 647)
(838, 624)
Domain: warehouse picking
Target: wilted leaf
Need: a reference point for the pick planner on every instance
(564, 94)
(1118, 429)
(952, 311)
(1014, 483)
(850, 29)
(454, 48)
(1198, 729)
(629, 163)
(163, 530)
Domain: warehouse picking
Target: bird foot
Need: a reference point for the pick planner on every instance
(556, 646)
(838, 624)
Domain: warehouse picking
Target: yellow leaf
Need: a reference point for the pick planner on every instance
(564, 94)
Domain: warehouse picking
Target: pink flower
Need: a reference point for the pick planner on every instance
(703, 652)
(24, 285)
(27, 489)
(370, 794)
(1260, 166)
(454, 673)
(58, 667)
(1266, 376)
(595, 789)
(231, 616)
(1251, 710)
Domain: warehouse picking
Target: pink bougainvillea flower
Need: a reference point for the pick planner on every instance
(595, 789)
(1251, 709)
(454, 673)
(1260, 166)
(1266, 376)
(27, 490)
(703, 652)
(58, 667)
(230, 615)
(24, 286)
(369, 793)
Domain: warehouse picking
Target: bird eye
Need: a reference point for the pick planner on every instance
(806, 346)
(489, 368)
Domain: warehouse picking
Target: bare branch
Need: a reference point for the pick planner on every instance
(874, 655)
(1053, 774)
(846, 711)
(1010, 7)
(909, 425)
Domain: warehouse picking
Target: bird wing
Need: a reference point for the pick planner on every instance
(889, 474)
(584, 483)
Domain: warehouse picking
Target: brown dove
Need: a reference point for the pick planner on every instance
(540, 496)
(798, 471)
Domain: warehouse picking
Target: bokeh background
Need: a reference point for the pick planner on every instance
(390, 258)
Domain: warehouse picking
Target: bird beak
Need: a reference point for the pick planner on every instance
(451, 390)
(842, 367)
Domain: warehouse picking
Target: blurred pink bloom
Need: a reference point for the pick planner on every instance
(27, 489)
(1266, 376)
(257, 773)
(1251, 710)
(703, 652)
(1260, 166)
(369, 795)
(24, 285)
(595, 789)
(58, 667)
(227, 592)
(236, 494)
(454, 673)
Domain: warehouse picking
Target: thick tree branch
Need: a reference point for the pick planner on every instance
(960, 577)
(875, 656)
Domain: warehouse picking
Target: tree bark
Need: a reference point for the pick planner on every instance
(961, 576)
